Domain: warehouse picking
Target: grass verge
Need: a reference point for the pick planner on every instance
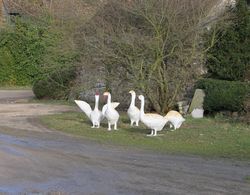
(206, 137)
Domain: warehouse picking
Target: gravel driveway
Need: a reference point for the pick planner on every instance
(36, 160)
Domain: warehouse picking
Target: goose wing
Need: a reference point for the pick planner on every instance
(174, 115)
(84, 106)
(115, 104)
(105, 107)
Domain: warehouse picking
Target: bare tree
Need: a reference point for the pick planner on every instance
(153, 44)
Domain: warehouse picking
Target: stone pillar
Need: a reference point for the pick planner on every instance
(196, 106)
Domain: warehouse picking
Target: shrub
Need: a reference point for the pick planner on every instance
(224, 95)
(55, 85)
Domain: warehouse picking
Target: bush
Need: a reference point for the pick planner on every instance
(55, 85)
(224, 95)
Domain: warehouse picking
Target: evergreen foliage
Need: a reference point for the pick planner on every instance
(224, 95)
(33, 52)
(229, 58)
(22, 48)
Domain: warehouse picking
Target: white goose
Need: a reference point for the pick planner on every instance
(133, 111)
(155, 122)
(175, 119)
(110, 113)
(95, 115)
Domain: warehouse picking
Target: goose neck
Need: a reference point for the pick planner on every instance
(142, 107)
(96, 102)
(109, 100)
(132, 100)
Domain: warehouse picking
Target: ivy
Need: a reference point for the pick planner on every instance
(22, 48)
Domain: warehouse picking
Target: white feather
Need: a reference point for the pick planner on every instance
(84, 106)
(113, 104)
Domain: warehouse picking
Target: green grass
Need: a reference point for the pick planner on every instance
(206, 137)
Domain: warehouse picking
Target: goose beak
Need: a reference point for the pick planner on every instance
(140, 97)
(106, 93)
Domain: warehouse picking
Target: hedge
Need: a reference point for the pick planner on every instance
(22, 47)
(224, 95)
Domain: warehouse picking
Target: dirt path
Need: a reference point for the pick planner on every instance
(35, 160)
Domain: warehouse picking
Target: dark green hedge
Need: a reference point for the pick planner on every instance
(55, 85)
(224, 95)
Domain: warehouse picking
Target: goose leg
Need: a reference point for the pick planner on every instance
(115, 126)
(152, 132)
(109, 128)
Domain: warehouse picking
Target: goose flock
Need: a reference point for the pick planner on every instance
(155, 122)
